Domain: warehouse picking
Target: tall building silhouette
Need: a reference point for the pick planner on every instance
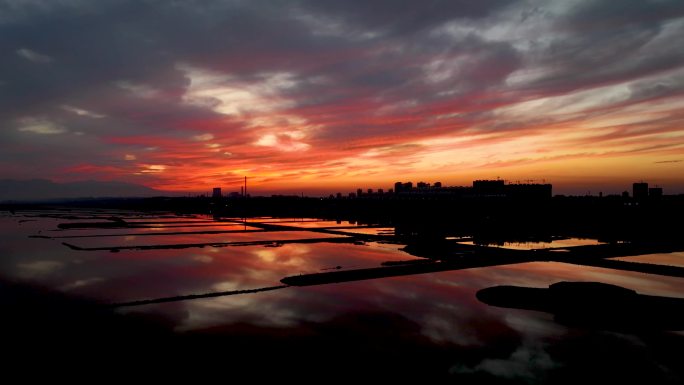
(216, 192)
(640, 190)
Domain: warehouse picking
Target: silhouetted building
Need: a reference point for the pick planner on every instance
(488, 187)
(216, 192)
(640, 191)
(529, 191)
(480, 188)
(398, 187)
(370, 191)
(381, 191)
(359, 192)
(339, 195)
(655, 192)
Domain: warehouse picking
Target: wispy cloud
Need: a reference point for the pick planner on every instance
(137, 89)
(33, 56)
(203, 137)
(82, 112)
(40, 126)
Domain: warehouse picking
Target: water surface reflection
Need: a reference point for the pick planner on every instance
(438, 309)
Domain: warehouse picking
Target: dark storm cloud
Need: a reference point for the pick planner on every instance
(604, 42)
(92, 49)
(141, 41)
(598, 14)
(400, 17)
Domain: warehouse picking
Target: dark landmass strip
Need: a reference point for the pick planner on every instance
(211, 244)
(194, 296)
(154, 233)
(594, 255)
(42, 189)
(433, 217)
(592, 304)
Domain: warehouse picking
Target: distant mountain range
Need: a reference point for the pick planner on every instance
(42, 189)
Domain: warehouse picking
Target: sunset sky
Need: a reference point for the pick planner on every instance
(325, 96)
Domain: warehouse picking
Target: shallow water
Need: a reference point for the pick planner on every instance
(443, 305)
(669, 259)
